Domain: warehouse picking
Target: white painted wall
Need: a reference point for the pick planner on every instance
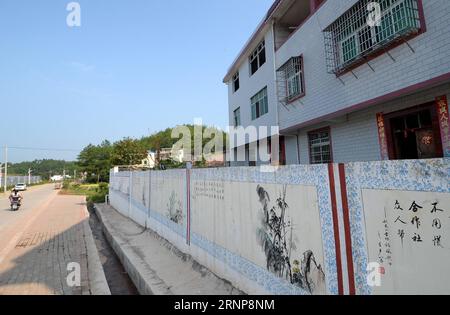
(430, 256)
(251, 85)
(231, 215)
(227, 222)
(325, 94)
(373, 189)
(356, 137)
(227, 212)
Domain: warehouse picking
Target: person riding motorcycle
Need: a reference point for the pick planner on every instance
(15, 194)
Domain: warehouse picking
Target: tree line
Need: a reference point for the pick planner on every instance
(44, 168)
(95, 161)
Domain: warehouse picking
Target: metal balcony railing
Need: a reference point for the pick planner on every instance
(359, 32)
(290, 80)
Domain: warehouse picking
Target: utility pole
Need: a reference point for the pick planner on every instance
(29, 176)
(6, 168)
(1, 175)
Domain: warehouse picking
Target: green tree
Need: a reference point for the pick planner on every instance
(95, 161)
(128, 152)
(163, 139)
(44, 168)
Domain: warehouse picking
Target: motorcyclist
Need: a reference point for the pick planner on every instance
(15, 194)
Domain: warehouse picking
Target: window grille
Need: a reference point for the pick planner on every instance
(320, 147)
(350, 39)
(290, 79)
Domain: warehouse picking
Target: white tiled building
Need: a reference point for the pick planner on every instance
(342, 87)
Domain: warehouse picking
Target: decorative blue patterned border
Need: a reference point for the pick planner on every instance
(246, 268)
(414, 175)
(239, 264)
(309, 175)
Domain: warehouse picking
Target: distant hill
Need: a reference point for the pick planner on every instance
(163, 139)
(42, 168)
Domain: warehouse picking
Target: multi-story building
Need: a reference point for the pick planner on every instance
(348, 80)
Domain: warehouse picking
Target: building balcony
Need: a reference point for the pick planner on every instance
(290, 17)
(360, 33)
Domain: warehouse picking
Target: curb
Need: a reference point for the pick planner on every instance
(97, 278)
(145, 279)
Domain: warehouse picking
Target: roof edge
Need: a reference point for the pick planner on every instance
(237, 61)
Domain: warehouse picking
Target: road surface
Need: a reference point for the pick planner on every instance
(34, 196)
(38, 242)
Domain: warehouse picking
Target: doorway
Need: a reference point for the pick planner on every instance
(414, 133)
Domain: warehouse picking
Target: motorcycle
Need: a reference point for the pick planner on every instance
(15, 203)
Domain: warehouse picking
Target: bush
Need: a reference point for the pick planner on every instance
(103, 187)
(100, 193)
(97, 198)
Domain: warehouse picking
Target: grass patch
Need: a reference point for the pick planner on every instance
(95, 193)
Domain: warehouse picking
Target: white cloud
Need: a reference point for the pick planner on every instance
(82, 67)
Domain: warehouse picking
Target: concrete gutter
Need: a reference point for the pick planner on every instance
(145, 280)
(155, 266)
(97, 280)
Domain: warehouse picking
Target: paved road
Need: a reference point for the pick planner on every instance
(39, 241)
(34, 196)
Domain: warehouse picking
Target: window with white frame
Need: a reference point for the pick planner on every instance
(237, 117)
(351, 38)
(236, 82)
(259, 104)
(320, 147)
(258, 57)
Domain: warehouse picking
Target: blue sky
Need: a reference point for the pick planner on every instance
(132, 68)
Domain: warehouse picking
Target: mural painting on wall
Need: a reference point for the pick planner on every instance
(409, 237)
(276, 238)
(276, 227)
(175, 209)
